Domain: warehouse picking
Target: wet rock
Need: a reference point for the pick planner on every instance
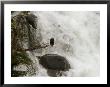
(12, 12)
(31, 18)
(23, 36)
(18, 73)
(54, 62)
(54, 73)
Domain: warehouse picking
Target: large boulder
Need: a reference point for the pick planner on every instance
(54, 62)
(32, 19)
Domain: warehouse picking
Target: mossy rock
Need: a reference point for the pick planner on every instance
(22, 33)
(20, 58)
(18, 73)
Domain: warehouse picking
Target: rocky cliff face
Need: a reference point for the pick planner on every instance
(23, 40)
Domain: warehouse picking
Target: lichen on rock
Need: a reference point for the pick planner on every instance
(23, 36)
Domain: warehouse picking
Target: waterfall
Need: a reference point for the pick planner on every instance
(77, 38)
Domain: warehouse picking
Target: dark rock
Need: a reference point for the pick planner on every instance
(23, 36)
(12, 12)
(18, 73)
(31, 20)
(54, 62)
(54, 73)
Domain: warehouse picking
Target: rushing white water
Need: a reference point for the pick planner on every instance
(77, 37)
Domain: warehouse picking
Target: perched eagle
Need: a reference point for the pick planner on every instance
(52, 41)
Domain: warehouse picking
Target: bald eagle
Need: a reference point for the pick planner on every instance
(52, 41)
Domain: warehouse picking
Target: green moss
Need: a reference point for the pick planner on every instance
(19, 35)
(18, 73)
(20, 58)
(18, 26)
(13, 23)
